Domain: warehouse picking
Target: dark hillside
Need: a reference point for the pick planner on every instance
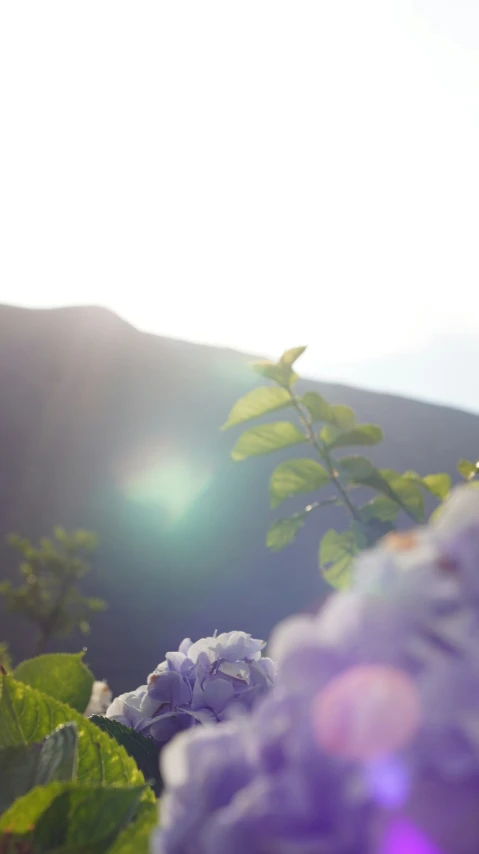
(105, 427)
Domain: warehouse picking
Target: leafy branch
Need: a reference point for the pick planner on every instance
(326, 428)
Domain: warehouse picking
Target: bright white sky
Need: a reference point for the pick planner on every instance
(258, 174)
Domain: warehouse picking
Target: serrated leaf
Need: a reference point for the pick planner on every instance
(266, 438)
(294, 477)
(317, 406)
(59, 675)
(336, 557)
(280, 373)
(343, 417)
(284, 531)
(143, 750)
(27, 715)
(257, 402)
(25, 766)
(86, 818)
(467, 469)
(289, 357)
(25, 812)
(69, 817)
(363, 434)
(355, 467)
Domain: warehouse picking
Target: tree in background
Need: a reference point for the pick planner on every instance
(49, 596)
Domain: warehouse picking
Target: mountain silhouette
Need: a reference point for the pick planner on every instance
(108, 428)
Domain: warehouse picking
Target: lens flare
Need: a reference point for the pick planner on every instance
(163, 477)
(367, 712)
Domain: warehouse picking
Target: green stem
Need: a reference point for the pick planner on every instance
(326, 458)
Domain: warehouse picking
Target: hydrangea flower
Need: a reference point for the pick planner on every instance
(375, 708)
(214, 679)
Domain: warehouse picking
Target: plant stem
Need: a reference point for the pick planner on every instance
(48, 626)
(326, 458)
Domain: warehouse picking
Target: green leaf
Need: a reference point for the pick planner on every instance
(284, 532)
(60, 675)
(144, 751)
(296, 476)
(343, 417)
(336, 557)
(27, 715)
(405, 492)
(25, 812)
(356, 468)
(381, 507)
(317, 406)
(277, 371)
(289, 357)
(363, 434)
(467, 469)
(266, 438)
(257, 402)
(438, 485)
(72, 818)
(26, 766)
(399, 488)
(136, 838)
(86, 818)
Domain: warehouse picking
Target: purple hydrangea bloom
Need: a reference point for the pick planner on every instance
(226, 794)
(320, 763)
(214, 679)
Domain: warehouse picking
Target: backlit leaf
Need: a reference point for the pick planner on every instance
(60, 675)
(289, 356)
(438, 485)
(317, 406)
(406, 493)
(381, 507)
(284, 532)
(266, 438)
(343, 417)
(27, 715)
(363, 434)
(257, 402)
(355, 467)
(467, 469)
(294, 477)
(336, 557)
(277, 371)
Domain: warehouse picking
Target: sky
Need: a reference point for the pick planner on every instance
(259, 175)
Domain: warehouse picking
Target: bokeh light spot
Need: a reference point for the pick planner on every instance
(367, 712)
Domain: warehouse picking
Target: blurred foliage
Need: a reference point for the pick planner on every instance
(50, 572)
(5, 657)
(328, 428)
(467, 469)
